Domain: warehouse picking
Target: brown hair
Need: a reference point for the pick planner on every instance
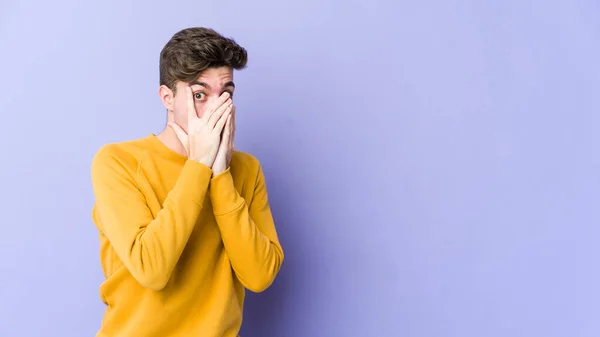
(193, 50)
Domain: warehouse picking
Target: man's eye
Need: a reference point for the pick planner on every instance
(198, 95)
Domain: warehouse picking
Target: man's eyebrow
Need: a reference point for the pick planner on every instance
(203, 84)
(200, 84)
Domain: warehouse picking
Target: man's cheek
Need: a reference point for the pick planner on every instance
(199, 110)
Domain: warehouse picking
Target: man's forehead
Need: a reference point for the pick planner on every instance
(214, 79)
(216, 74)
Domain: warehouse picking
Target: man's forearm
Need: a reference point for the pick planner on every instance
(149, 247)
(248, 233)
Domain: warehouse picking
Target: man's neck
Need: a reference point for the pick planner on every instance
(169, 138)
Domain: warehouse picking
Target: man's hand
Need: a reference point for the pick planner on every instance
(223, 158)
(202, 139)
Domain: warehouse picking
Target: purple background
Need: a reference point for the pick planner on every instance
(433, 166)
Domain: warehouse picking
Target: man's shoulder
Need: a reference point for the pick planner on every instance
(127, 153)
(245, 162)
(244, 157)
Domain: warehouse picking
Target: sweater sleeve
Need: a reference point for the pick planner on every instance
(148, 246)
(248, 231)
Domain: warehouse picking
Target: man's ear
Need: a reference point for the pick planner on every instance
(167, 97)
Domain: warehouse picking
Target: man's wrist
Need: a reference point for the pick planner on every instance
(217, 170)
(203, 162)
(223, 194)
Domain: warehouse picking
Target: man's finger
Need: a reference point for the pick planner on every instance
(191, 109)
(217, 114)
(227, 130)
(232, 128)
(227, 135)
(221, 122)
(214, 106)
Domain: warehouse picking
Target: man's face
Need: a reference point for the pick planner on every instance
(207, 88)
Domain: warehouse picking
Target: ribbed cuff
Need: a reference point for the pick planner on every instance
(194, 180)
(223, 195)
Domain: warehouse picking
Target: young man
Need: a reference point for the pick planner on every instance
(185, 225)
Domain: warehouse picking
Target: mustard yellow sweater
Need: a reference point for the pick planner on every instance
(178, 247)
